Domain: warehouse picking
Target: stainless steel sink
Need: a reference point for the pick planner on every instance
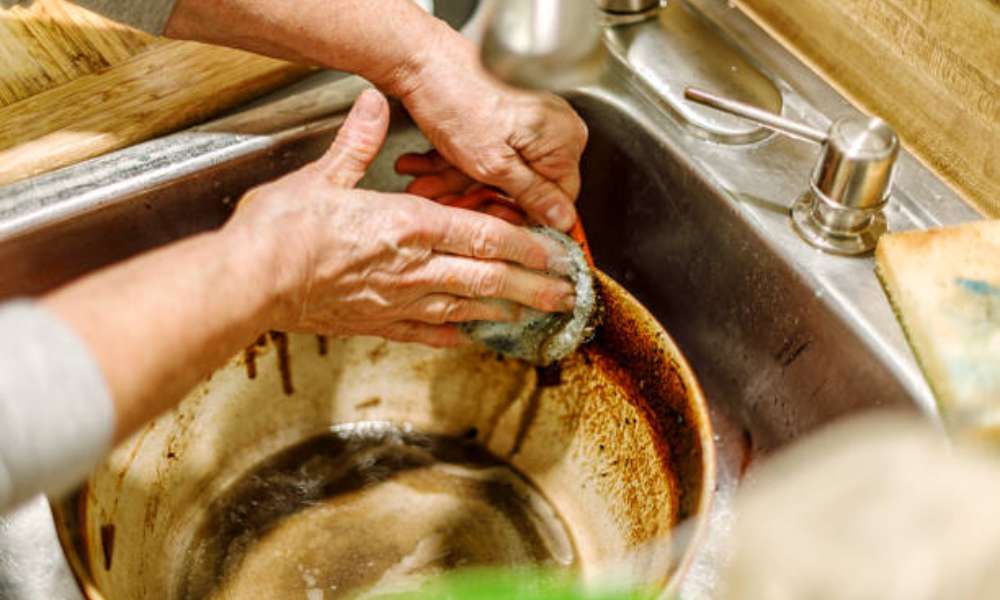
(783, 337)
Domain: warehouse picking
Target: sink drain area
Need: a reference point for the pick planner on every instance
(369, 508)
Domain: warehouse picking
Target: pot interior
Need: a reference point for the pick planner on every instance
(318, 468)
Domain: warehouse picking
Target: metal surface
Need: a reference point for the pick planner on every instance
(618, 491)
(768, 119)
(564, 44)
(681, 48)
(548, 44)
(782, 337)
(629, 6)
(842, 211)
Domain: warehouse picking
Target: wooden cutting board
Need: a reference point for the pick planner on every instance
(74, 85)
(945, 287)
(931, 68)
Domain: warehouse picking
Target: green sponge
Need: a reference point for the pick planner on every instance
(543, 338)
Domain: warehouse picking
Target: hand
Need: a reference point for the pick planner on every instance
(526, 143)
(346, 261)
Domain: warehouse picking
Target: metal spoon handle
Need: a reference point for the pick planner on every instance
(763, 117)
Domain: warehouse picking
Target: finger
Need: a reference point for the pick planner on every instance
(448, 200)
(472, 278)
(448, 181)
(541, 198)
(472, 234)
(445, 308)
(502, 211)
(358, 142)
(421, 164)
(438, 336)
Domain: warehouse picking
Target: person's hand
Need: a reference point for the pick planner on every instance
(347, 261)
(528, 144)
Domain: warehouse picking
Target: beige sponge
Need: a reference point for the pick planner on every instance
(945, 287)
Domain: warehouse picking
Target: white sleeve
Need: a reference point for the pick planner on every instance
(56, 412)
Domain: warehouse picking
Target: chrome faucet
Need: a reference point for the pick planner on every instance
(554, 44)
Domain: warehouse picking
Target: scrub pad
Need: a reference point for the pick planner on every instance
(543, 338)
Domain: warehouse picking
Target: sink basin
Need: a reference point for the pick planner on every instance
(782, 337)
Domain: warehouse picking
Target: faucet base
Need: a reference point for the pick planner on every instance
(815, 222)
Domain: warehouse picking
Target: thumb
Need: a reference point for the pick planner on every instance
(360, 138)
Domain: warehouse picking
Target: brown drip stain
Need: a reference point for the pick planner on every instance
(321, 344)
(549, 376)
(108, 544)
(280, 340)
(250, 356)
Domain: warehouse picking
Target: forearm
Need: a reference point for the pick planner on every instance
(386, 41)
(159, 323)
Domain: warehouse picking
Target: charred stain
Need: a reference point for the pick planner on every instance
(527, 418)
(791, 350)
(627, 348)
(250, 356)
(549, 376)
(369, 403)
(280, 339)
(747, 456)
(345, 464)
(107, 544)
(321, 345)
(378, 352)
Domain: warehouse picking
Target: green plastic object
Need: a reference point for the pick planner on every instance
(523, 584)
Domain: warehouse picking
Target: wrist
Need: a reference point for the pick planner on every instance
(254, 261)
(437, 56)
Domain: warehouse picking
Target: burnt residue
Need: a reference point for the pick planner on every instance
(629, 348)
(250, 356)
(349, 466)
(550, 375)
(280, 340)
(791, 349)
(527, 418)
(321, 345)
(108, 544)
(369, 403)
(747, 456)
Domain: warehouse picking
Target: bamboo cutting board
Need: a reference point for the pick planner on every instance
(74, 85)
(931, 68)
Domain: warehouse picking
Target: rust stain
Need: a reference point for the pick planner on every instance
(108, 544)
(321, 344)
(250, 356)
(369, 403)
(550, 376)
(280, 339)
(376, 353)
(630, 352)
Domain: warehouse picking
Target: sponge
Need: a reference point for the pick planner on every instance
(544, 338)
(945, 287)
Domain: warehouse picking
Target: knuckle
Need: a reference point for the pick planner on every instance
(454, 311)
(582, 131)
(486, 242)
(492, 166)
(490, 283)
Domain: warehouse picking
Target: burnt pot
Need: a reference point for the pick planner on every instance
(616, 438)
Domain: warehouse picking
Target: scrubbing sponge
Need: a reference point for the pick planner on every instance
(543, 338)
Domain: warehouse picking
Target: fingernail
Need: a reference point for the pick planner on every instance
(560, 216)
(369, 105)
